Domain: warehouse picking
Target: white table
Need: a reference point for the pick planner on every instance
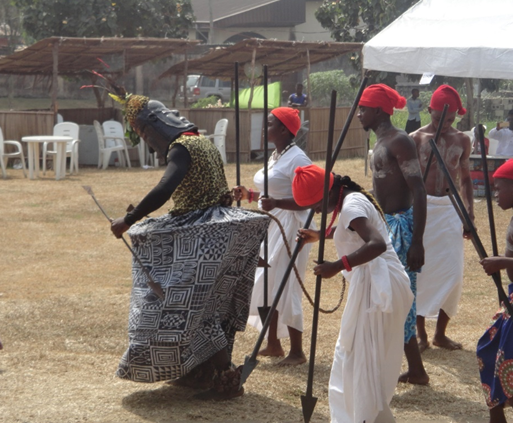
(33, 154)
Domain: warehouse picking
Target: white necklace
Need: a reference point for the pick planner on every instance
(276, 156)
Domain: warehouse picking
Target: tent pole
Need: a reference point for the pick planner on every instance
(250, 100)
(185, 70)
(55, 74)
(308, 79)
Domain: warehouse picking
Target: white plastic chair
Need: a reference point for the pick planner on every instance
(219, 137)
(114, 130)
(4, 156)
(107, 147)
(67, 129)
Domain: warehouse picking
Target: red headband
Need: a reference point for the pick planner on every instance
(446, 94)
(505, 171)
(289, 117)
(381, 95)
(308, 185)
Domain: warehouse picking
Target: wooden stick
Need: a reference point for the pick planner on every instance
(437, 137)
(308, 401)
(251, 361)
(237, 128)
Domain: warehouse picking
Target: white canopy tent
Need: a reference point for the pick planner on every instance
(460, 38)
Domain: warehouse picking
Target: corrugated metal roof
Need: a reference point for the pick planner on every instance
(77, 55)
(281, 57)
(222, 9)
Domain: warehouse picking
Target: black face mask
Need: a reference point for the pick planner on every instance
(160, 126)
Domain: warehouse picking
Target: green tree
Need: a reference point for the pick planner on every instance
(10, 25)
(99, 18)
(322, 83)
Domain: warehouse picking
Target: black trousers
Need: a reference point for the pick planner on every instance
(412, 125)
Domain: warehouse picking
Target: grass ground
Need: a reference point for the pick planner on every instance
(64, 296)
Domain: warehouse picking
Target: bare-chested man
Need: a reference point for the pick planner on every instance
(440, 283)
(399, 189)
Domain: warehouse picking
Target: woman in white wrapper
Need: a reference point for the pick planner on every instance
(369, 348)
(283, 124)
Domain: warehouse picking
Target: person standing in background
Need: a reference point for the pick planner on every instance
(414, 106)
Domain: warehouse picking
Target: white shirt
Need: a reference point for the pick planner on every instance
(505, 138)
(414, 107)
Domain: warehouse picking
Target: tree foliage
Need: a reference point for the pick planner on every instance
(10, 24)
(99, 18)
(322, 83)
(359, 20)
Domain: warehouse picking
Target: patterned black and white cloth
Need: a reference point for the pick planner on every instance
(205, 262)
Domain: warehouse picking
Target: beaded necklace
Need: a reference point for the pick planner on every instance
(276, 156)
(335, 212)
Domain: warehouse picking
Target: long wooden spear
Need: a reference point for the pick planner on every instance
(263, 311)
(157, 289)
(488, 194)
(469, 225)
(251, 362)
(237, 127)
(437, 137)
(308, 401)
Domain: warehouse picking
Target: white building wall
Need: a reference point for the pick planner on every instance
(312, 30)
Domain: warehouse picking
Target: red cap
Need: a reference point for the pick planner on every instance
(445, 94)
(505, 171)
(308, 185)
(289, 117)
(381, 95)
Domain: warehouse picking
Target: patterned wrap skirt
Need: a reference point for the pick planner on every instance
(495, 358)
(400, 231)
(205, 262)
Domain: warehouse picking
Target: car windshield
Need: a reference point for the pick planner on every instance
(192, 80)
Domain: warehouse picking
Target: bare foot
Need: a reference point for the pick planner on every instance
(272, 351)
(293, 360)
(445, 342)
(408, 377)
(423, 344)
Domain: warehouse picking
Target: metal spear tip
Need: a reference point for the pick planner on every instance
(308, 403)
(88, 189)
(249, 365)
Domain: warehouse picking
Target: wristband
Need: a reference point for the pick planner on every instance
(345, 262)
(251, 194)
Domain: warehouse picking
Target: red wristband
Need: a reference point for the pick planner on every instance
(345, 262)
(251, 193)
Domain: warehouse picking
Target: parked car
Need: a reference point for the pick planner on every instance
(192, 81)
(206, 87)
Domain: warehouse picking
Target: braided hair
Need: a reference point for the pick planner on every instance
(345, 181)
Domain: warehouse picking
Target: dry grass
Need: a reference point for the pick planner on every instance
(64, 295)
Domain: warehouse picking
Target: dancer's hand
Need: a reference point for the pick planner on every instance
(240, 193)
(268, 203)
(415, 257)
(307, 235)
(493, 265)
(328, 269)
(119, 227)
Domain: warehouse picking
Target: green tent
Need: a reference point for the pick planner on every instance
(273, 96)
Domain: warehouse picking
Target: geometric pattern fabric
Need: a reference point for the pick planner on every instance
(205, 262)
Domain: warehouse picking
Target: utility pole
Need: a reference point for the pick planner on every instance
(211, 29)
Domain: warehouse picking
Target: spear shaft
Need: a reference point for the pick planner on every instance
(308, 401)
(151, 283)
(469, 225)
(251, 361)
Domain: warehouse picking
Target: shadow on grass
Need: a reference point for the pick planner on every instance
(176, 404)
